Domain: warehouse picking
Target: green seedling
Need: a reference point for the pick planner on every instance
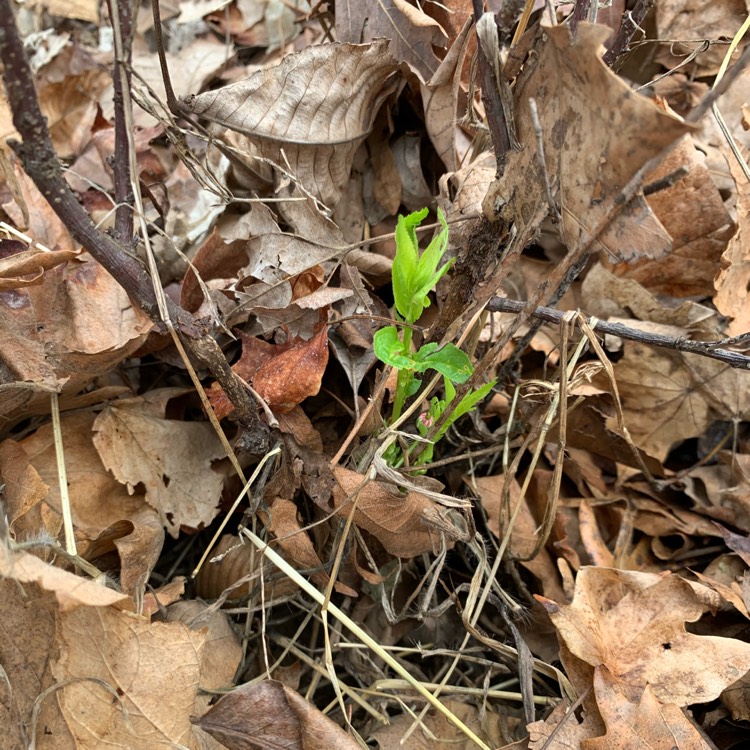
(414, 277)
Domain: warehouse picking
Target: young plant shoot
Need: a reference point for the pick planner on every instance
(414, 277)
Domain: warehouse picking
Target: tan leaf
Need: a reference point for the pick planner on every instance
(269, 714)
(171, 458)
(487, 725)
(105, 517)
(292, 376)
(154, 667)
(15, 270)
(661, 400)
(440, 100)
(634, 625)
(597, 135)
(413, 32)
(28, 614)
(71, 591)
(394, 518)
(732, 296)
(233, 571)
(646, 723)
(323, 100)
(689, 269)
(89, 325)
(84, 10)
(678, 20)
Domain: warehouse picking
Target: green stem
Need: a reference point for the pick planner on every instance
(403, 380)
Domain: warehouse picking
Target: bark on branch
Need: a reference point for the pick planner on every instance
(40, 162)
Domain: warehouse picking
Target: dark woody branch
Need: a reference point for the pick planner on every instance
(711, 349)
(43, 167)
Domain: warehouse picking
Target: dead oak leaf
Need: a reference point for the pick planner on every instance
(634, 625)
(170, 458)
(688, 270)
(597, 134)
(397, 520)
(662, 401)
(647, 723)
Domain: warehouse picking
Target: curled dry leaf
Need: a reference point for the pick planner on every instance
(317, 106)
(105, 517)
(271, 715)
(688, 270)
(234, 572)
(394, 518)
(26, 268)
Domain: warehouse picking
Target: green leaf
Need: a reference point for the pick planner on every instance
(389, 348)
(471, 399)
(415, 276)
(405, 262)
(449, 361)
(465, 405)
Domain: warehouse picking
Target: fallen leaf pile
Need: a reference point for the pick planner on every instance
(572, 569)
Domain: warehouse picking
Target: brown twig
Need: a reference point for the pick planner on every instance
(677, 343)
(172, 102)
(41, 164)
(123, 231)
(630, 24)
(491, 97)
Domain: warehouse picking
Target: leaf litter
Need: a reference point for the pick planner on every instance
(570, 566)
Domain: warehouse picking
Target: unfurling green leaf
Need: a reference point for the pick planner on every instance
(415, 276)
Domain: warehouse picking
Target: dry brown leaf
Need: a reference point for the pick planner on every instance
(28, 643)
(233, 571)
(487, 725)
(395, 519)
(440, 100)
(190, 69)
(608, 296)
(70, 590)
(171, 459)
(597, 135)
(222, 652)
(566, 737)
(44, 225)
(68, 82)
(16, 269)
(647, 723)
(89, 326)
(154, 668)
(323, 99)
(688, 22)
(693, 213)
(298, 547)
(732, 284)
(661, 399)
(105, 516)
(634, 625)
(289, 378)
(84, 10)
(413, 32)
(269, 714)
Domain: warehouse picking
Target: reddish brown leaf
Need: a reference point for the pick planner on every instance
(295, 374)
